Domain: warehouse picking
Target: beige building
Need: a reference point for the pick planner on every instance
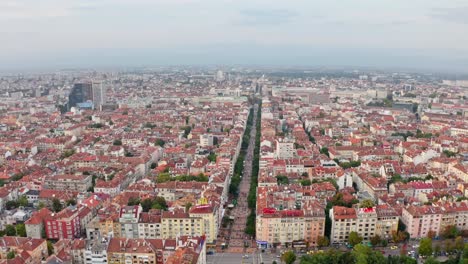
(282, 227)
(78, 183)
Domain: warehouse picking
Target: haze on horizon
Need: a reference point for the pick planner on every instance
(426, 34)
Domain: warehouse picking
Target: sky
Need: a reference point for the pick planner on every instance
(426, 34)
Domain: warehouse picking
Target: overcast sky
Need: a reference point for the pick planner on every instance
(94, 33)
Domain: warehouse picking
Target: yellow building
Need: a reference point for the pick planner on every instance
(209, 216)
(179, 223)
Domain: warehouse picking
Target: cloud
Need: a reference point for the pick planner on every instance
(268, 17)
(457, 15)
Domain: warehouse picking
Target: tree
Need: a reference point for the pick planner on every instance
(306, 182)
(160, 142)
(71, 202)
(437, 248)
(117, 142)
(431, 260)
(449, 153)
(11, 205)
(399, 236)
(449, 245)
(11, 255)
(212, 157)
(50, 248)
(431, 234)
(163, 177)
(133, 201)
(159, 203)
(322, 241)
(459, 243)
(10, 230)
(425, 247)
(21, 230)
(146, 204)
(354, 238)
(362, 254)
(375, 240)
(450, 231)
(41, 205)
(288, 257)
(367, 203)
(56, 205)
(188, 206)
(282, 180)
(324, 150)
(23, 201)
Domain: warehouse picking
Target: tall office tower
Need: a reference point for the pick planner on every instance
(81, 92)
(99, 94)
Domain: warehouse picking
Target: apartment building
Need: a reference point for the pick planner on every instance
(178, 223)
(419, 220)
(283, 227)
(208, 213)
(367, 222)
(157, 251)
(63, 225)
(78, 183)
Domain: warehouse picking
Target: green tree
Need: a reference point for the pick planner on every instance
(449, 246)
(21, 230)
(282, 180)
(23, 201)
(323, 241)
(361, 254)
(41, 205)
(188, 206)
(459, 243)
(354, 238)
(159, 203)
(425, 247)
(324, 150)
(306, 182)
(10, 230)
(146, 204)
(450, 231)
(163, 177)
(50, 248)
(11, 255)
(56, 205)
(288, 257)
(11, 205)
(449, 153)
(375, 240)
(71, 202)
(160, 142)
(431, 260)
(437, 248)
(367, 204)
(117, 142)
(212, 157)
(133, 201)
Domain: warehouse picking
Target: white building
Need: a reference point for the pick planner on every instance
(284, 148)
(206, 140)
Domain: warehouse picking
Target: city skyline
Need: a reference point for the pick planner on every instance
(426, 35)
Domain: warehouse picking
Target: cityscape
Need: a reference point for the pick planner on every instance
(233, 132)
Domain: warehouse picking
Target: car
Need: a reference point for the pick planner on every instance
(246, 256)
(278, 256)
(393, 247)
